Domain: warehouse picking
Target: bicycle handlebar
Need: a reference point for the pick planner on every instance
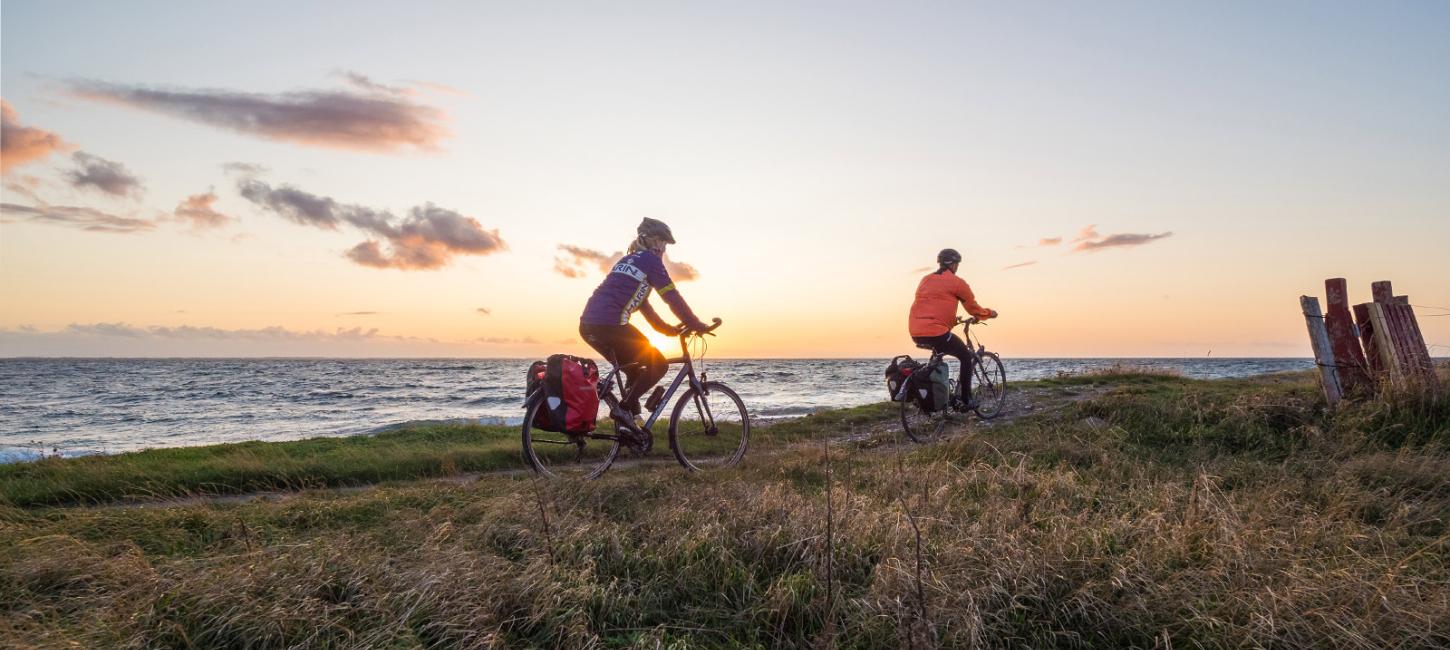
(974, 320)
(686, 332)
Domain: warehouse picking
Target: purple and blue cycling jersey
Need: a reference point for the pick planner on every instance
(626, 288)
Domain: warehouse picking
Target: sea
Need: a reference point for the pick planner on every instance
(74, 407)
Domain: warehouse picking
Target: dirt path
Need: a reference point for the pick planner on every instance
(1020, 403)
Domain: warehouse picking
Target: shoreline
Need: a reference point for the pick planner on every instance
(428, 450)
(115, 406)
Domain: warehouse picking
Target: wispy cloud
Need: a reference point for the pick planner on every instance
(428, 238)
(88, 219)
(1049, 241)
(1019, 265)
(274, 333)
(365, 119)
(1121, 240)
(243, 169)
(366, 83)
(25, 186)
(575, 260)
(197, 210)
(20, 144)
(484, 310)
(504, 340)
(107, 176)
(360, 313)
(1089, 231)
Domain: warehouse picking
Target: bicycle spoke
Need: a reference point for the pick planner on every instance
(992, 379)
(709, 430)
(563, 455)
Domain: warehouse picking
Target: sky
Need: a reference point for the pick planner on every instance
(384, 179)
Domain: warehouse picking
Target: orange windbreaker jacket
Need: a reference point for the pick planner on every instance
(935, 309)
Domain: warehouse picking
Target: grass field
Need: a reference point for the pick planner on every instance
(1148, 511)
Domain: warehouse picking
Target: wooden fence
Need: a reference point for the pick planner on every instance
(1362, 347)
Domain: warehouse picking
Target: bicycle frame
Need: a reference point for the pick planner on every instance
(938, 358)
(606, 386)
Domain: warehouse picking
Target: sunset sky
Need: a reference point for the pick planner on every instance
(439, 179)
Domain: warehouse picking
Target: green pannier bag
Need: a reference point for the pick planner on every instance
(933, 396)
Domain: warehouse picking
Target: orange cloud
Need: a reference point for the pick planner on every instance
(197, 210)
(1088, 232)
(23, 144)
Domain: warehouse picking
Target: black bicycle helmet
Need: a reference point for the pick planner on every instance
(948, 256)
(655, 228)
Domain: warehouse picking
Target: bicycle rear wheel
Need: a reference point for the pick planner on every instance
(562, 455)
(990, 390)
(919, 424)
(709, 430)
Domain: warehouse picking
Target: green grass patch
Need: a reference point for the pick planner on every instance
(423, 451)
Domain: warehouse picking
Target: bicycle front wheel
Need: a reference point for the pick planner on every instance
(709, 429)
(991, 386)
(562, 455)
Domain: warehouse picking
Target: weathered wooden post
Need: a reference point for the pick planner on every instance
(1384, 342)
(1353, 375)
(1380, 292)
(1394, 343)
(1323, 351)
(1366, 338)
(1399, 333)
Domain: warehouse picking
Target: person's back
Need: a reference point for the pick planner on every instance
(626, 287)
(934, 313)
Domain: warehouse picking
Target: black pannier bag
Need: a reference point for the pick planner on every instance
(896, 373)
(570, 393)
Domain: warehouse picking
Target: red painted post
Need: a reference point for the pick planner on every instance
(1348, 356)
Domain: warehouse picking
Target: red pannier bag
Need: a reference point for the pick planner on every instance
(896, 373)
(571, 393)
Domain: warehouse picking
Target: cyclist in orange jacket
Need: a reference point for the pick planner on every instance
(934, 313)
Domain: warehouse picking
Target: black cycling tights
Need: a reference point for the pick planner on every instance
(952, 345)
(622, 345)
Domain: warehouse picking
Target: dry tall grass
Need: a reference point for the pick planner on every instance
(1165, 514)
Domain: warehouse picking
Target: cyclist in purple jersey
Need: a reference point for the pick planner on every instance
(625, 290)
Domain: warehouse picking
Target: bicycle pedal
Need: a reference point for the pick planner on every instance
(636, 439)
